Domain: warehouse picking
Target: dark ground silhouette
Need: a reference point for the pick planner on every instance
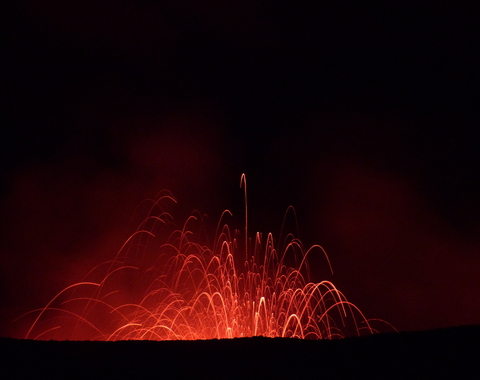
(448, 353)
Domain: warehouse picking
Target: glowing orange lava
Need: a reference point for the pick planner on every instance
(181, 289)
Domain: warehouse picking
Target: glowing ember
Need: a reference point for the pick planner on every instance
(182, 289)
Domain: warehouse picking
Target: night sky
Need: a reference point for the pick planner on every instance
(364, 117)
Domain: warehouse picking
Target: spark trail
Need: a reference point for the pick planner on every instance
(164, 284)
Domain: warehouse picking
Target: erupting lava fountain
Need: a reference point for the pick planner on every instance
(163, 284)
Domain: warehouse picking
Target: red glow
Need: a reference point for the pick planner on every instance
(164, 284)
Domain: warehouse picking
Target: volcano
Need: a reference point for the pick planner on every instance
(451, 352)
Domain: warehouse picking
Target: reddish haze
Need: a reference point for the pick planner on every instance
(394, 254)
(65, 217)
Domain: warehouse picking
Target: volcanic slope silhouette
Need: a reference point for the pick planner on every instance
(444, 353)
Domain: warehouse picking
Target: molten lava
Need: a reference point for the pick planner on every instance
(164, 284)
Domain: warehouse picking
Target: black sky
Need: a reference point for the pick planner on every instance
(364, 117)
